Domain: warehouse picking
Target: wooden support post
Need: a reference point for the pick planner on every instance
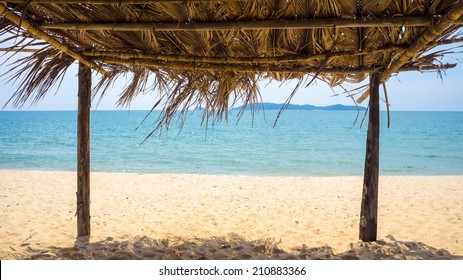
(83, 150)
(369, 208)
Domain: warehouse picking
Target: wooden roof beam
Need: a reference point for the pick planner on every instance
(250, 25)
(428, 37)
(23, 23)
(258, 68)
(256, 60)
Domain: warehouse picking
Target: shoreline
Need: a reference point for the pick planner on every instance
(232, 175)
(292, 213)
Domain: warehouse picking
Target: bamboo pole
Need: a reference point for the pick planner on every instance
(369, 207)
(83, 150)
(213, 67)
(261, 68)
(232, 68)
(247, 25)
(5, 12)
(239, 60)
(428, 36)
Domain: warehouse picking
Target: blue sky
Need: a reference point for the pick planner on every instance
(411, 91)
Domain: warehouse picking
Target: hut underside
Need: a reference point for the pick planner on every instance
(213, 53)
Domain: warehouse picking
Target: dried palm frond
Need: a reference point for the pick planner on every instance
(212, 54)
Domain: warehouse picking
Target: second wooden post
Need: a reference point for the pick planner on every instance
(369, 207)
(83, 150)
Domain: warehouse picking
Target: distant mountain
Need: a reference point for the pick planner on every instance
(274, 106)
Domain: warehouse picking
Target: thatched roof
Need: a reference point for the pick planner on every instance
(212, 53)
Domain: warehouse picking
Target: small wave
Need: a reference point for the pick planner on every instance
(426, 156)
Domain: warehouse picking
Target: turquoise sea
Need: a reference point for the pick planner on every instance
(306, 143)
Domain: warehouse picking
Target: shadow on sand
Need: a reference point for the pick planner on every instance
(233, 247)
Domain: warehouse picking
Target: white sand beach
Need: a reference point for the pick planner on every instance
(169, 216)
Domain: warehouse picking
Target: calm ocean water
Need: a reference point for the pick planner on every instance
(318, 143)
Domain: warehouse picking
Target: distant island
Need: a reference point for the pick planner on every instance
(274, 106)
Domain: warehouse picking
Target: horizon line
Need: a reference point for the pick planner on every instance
(256, 110)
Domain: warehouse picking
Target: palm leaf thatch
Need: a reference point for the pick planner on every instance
(213, 53)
